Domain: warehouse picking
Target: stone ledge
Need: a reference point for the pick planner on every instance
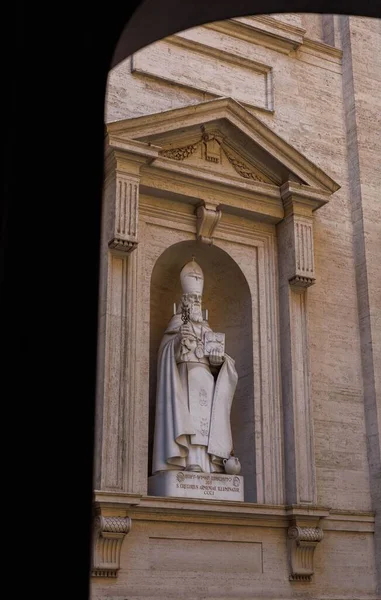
(192, 510)
(263, 31)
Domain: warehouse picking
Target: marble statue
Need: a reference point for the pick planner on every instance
(195, 388)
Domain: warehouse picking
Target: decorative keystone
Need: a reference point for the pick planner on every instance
(302, 544)
(109, 533)
(208, 218)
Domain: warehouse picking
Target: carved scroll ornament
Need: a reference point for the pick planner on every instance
(109, 533)
(302, 544)
(208, 218)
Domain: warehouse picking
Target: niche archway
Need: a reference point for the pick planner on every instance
(228, 299)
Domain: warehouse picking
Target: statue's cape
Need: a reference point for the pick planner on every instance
(173, 421)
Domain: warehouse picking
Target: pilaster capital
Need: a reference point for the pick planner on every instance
(123, 161)
(125, 213)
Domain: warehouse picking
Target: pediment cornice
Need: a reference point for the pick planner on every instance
(253, 149)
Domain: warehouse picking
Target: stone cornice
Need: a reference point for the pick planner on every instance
(126, 156)
(235, 59)
(269, 32)
(131, 149)
(277, 25)
(256, 199)
(150, 508)
(323, 50)
(262, 30)
(235, 113)
(302, 199)
(156, 63)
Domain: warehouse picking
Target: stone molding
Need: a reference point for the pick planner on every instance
(262, 30)
(301, 283)
(323, 50)
(137, 166)
(256, 132)
(188, 510)
(109, 533)
(152, 62)
(181, 39)
(261, 274)
(261, 201)
(302, 544)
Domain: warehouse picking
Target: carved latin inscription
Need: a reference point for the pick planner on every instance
(109, 533)
(302, 544)
(126, 214)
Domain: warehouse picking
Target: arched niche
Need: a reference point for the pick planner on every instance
(228, 299)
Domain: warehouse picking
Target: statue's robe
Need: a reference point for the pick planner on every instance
(192, 425)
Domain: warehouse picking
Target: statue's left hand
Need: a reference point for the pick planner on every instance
(216, 358)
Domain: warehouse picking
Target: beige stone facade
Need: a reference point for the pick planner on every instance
(255, 144)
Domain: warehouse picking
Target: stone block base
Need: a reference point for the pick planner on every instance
(207, 486)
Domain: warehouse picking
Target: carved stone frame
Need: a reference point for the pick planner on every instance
(133, 164)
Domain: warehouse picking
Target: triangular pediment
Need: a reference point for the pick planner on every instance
(224, 137)
(207, 148)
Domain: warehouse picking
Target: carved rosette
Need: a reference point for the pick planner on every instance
(302, 544)
(125, 226)
(109, 533)
(208, 218)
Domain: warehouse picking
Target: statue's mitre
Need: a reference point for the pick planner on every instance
(192, 278)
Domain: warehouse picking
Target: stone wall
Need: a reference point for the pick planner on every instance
(309, 112)
(319, 89)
